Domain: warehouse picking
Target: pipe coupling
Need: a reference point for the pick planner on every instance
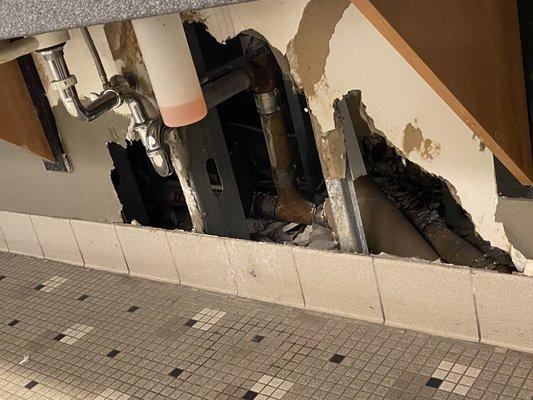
(268, 102)
(283, 177)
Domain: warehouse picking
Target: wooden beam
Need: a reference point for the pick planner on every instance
(19, 121)
(469, 52)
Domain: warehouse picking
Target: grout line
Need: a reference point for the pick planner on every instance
(298, 277)
(476, 312)
(172, 256)
(4, 237)
(379, 290)
(121, 249)
(76, 240)
(231, 266)
(36, 235)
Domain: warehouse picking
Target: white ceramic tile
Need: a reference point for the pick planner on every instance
(19, 234)
(3, 243)
(338, 283)
(505, 309)
(57, 239)
(99, 245)
(265, 271)
(432, 298)
(147, 253)
(202, 261)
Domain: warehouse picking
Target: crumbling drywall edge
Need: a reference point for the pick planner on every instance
(226, 22)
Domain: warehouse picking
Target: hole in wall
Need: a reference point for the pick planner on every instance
(423, 197)
(146, 198)
(246, 144)
(214, 177)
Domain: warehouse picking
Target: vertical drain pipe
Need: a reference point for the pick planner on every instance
(288, 205)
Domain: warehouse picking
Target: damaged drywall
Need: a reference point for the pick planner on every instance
(395, 95)
(310, 45)
(413, 140)
(128, 59)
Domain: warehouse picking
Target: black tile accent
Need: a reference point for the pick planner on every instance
(31, 384)
(59, 337)
(132, 309)
(257, 338)
(83, 297)
(176, 372)
(190, 322)
(434, 382)
(337, 358)
(14, 322)
(250, 395)
(39, 287)
(113, 353)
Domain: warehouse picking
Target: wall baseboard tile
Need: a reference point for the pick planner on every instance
(505, 309)
(428, 297)
(265, 271)
(337, 283)
(202, 262)
(147, 253)
(434, 298)
(57, 239)
(99, 246)
(19, 234)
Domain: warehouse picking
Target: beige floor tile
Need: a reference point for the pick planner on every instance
(99, 246)
(338, 283)
(429, 297)
(265, 272)
(147, 253)
(202, 261)
(505, 309)
(19, 234)
(57, 239)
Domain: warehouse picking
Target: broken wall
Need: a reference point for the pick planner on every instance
(331, 49)
(87, 192)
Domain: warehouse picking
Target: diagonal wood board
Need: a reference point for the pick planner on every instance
(19, 121)
(469, 52)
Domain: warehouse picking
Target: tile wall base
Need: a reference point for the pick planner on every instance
(439, 299)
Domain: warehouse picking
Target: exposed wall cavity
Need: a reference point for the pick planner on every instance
(427, 200)
(401, 103)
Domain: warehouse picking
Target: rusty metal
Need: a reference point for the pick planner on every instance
(290, 205)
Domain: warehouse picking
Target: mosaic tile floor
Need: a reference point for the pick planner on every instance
(74, 333)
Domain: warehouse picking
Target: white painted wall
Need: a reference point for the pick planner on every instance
(394, 94)
(87, 192)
